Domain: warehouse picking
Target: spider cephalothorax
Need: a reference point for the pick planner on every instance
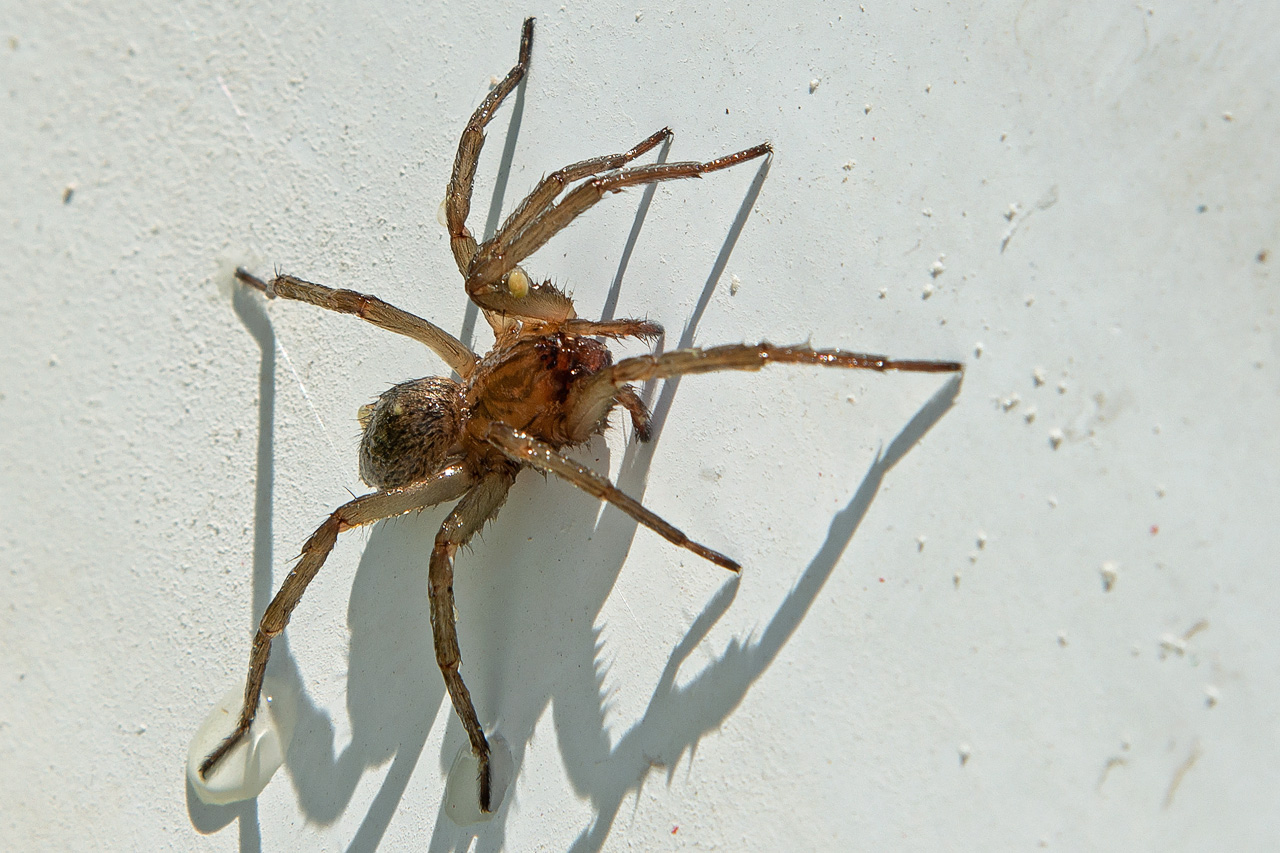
(547, 384)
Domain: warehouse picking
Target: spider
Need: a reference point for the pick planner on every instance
(549, 383)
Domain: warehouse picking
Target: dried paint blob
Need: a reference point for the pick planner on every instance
(248, 767)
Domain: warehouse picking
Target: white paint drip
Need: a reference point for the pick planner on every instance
(245, 770)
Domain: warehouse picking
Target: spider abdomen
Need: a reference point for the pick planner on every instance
(409, 431)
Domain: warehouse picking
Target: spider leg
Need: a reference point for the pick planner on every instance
(500, 255)
(593, 398)
(458, 197)
(623, 328)
(373, 310)
(479, 505)
(530, 451)
(630, 399)
(446, 485)
(552, 185)
(546, 302)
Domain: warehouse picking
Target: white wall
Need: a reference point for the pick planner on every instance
(1099, 181)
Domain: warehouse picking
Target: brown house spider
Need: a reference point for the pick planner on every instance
(546, 385)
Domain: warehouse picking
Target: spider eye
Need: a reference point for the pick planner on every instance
(518, 283)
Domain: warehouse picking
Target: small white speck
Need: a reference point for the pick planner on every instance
(938, 268)
(1062, 387)
(1172, 644)
(1160, 491)
(965, 753)
(848, 165)
(1056, 437)
(1211, 696)
(926, 291)
(1227, 116)
(852, 400)
(1030, 300)
(982, 540)
(927, 212)
(920, 540)
(866, 109)
(639, 15)
(1062, 639)
(1109, 572)
(1010, 402)
(1011, 212)
(494, 81)
(977, 350)
(1038, 376)
(1030, 416)
(1053, 502)
(814, 84)
(955, 579)
(734, 284)
(928, 87)
(884, 291)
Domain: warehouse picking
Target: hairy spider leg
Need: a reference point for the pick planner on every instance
(499, 255)
(448, 484)
(549, 304)
(479, 505)
(372, 310)
(530, 451)
(593, 398)
(458, 197)
(553, 184)
(620, 328)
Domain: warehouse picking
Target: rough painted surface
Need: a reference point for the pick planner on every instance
(1050, 621)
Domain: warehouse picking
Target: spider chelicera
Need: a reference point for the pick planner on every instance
(547, 384)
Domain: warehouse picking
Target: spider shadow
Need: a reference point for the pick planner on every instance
(536, 624)
(678, 716)
(252, 313)
(387, 688)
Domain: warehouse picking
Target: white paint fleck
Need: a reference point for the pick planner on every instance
(1109, 572)
(1172, 644)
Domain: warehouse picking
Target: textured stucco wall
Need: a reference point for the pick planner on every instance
(922, 653)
